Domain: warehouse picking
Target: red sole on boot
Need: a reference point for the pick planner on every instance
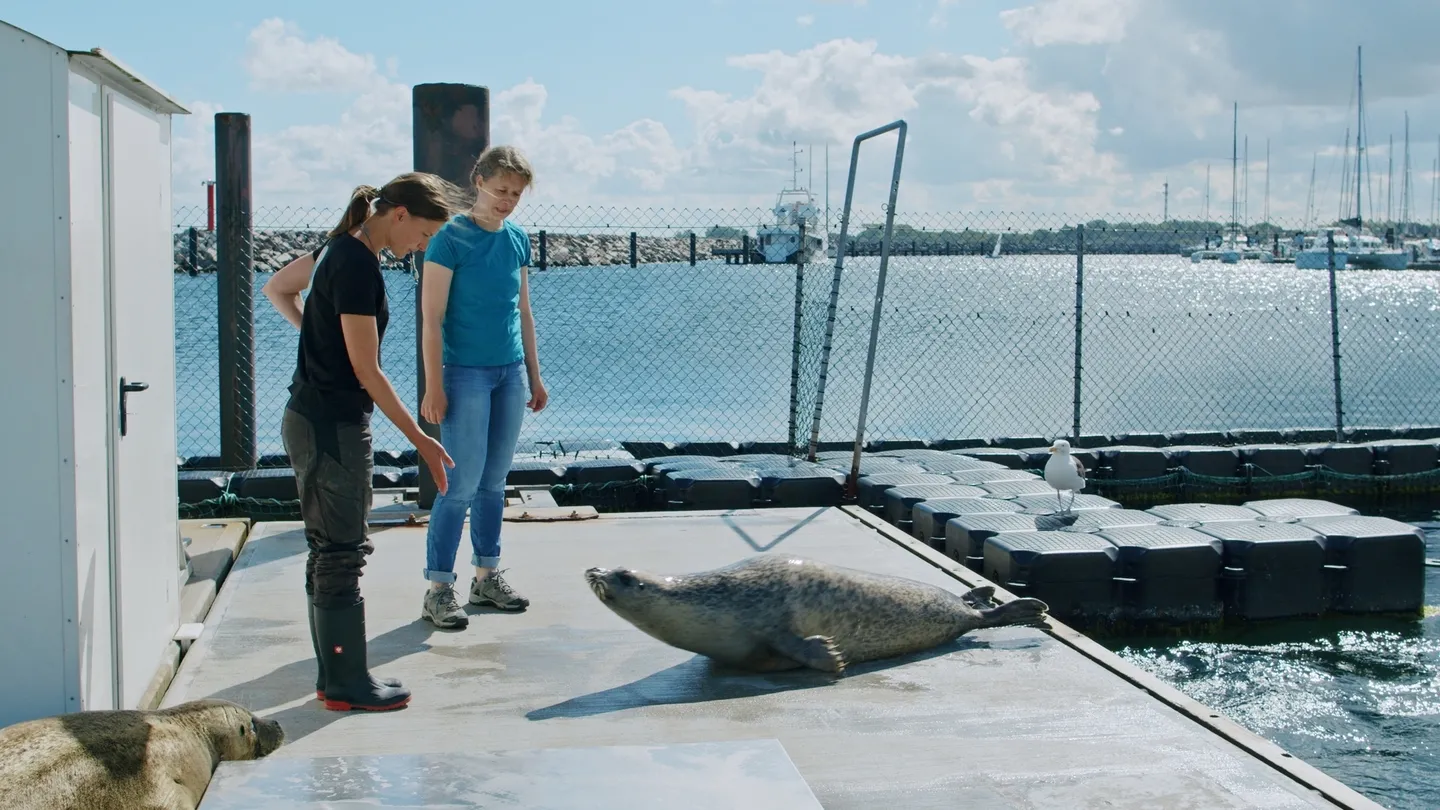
(342, 706)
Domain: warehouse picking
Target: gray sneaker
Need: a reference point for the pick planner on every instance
(495, 591)
(442, 610)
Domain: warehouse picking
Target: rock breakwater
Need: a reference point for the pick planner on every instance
(195, 250)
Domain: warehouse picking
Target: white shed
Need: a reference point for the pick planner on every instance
(90, 559)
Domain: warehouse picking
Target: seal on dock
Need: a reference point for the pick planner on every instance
(160, 759)
(769, 612)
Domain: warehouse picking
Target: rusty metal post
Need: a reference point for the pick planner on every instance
(451, 127)
(235, 291)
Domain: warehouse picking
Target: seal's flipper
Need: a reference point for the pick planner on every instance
(1026, 611)
(815, 652)
(981, 597)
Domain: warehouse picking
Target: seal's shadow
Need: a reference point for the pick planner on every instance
(701, 679)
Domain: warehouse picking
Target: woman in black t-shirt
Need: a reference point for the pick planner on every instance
(326, 428)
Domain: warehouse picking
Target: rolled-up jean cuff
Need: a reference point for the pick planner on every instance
(484, 562)
(440, 576)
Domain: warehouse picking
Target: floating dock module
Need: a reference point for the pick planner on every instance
(965, 535)
(532, 473)
(1045, 504)
(871, 488)
(1405, 456)
(1074, 574)
(809, 485)
(276, 483)
(1098, 520)
(978, 477)
(1216, 462)
(874, 465)
(603, 470)
(202, 485)
(1272, 570)
(1011, 489)
(1287, 509)
(712, 488)
(1377, 564)
(928, 517)
(1275, 459)
(1003, 456)
(899, 500)
(1166, 573)
(666, 464)
(1131, 462)
(1203, 512)
(1350, 459)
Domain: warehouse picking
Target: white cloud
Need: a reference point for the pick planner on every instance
(939, 18)
(1092, 107)
(278, 58)
(1082, 22)
(805, 20)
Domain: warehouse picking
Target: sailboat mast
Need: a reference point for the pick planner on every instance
(1235, 169)
(1405, 181)
(1267, 181)
(1359, 133)
(1310, 197)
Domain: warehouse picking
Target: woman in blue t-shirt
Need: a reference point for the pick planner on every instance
(479, 354)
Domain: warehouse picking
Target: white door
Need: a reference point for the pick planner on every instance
(143, 336)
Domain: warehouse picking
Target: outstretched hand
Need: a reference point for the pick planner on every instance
(435, 457)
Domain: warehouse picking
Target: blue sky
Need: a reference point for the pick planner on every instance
(1084, 106)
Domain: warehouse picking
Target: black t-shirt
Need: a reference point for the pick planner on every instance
(347, 280)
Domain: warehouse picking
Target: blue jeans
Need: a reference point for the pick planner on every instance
(484, 408)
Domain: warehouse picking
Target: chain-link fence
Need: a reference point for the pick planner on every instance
(670, 325)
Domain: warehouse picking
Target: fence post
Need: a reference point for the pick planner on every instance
(632, 249)
(544, 256)
(234, 296)
(450, 127)
(692, 248)
(1335, 336)
(1079, 320)
(795, 344)
(193, 252)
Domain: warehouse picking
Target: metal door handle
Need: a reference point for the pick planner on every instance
(127, 388)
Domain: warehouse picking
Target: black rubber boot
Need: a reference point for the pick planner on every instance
(348, 683)
(320, 660)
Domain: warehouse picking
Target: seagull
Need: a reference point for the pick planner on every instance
(1064, 472)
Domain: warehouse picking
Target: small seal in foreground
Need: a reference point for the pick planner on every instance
(109, 760)
(770, 612)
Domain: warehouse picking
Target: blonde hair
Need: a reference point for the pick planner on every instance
(498, 160)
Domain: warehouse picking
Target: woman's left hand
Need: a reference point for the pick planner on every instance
(539, 397)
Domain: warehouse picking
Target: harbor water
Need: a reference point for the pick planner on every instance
(985, 347)
(1359, 699)
(968, 346)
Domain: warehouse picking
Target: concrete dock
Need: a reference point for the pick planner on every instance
(1003, 718)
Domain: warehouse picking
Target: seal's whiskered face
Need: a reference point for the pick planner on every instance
(620, 586)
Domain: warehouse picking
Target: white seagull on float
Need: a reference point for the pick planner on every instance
(1064, 472)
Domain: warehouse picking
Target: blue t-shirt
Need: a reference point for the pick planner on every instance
(482, 317)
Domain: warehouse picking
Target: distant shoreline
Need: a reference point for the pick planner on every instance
(276, 248)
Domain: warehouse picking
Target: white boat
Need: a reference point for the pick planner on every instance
(1315, 254)
(1235, 246)
(797, 220)
(1366, 251)
(995, 252)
